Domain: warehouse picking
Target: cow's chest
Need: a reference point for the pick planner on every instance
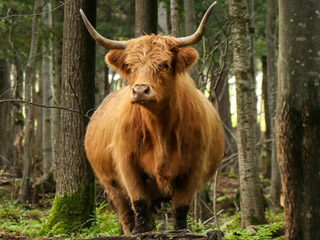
(170, 167)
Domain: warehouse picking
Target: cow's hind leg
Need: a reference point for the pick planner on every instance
(121, 203)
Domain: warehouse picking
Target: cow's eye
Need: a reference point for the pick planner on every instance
(164, 66)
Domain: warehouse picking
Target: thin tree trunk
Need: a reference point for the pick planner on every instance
(146, 17)
(57, 51)
(267, 158)
(163, 18)
(29, 128)
(47, 84)
(17, 120)
(175, 22)
(191, 27)
(298, 114)
(250, 192)
(74, 203)
(5, 117)
(275, 188)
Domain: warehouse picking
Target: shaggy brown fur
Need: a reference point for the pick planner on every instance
(167, 146)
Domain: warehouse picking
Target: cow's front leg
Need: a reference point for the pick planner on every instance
(136, 187)
(142, 216)
(180, 216)
(182, 196)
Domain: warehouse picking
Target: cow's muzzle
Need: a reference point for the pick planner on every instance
(141, 93)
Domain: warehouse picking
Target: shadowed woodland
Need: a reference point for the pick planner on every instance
(258, 65)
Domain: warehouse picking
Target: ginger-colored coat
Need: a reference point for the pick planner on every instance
(166, 143)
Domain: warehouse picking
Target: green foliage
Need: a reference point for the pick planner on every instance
(257, 232)
(14, 218)
(231, 226)
(18, 220)
(16, 21)
(105, 224)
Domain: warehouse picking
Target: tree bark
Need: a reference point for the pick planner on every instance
(267, 158)
(5, 117)
(146, 17)
(163, 18)
(191, 27)
(298, 114)
(47, 91)
(189, 16)
(17, 119)
(275, 189)
(57, 54)
(29, 123)
(250, 192)
(175, 22)
(74, 203)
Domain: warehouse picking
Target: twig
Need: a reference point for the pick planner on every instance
(215, 200)
(211, 218)
(44, 106)
(224, 59)
(153, 235)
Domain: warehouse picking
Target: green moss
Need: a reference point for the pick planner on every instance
(71, 212)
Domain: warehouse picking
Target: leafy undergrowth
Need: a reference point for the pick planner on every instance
(16, 220)
(19, 221)
(231, 227)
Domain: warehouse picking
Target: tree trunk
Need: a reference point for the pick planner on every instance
(275, 188)
(57, 51)
(224, 111)
(47, 84)
(298, 114)
(5, 117)
(175, 22)
(146, 17)
(17, 120)
(29, 123)
(74, 203)
(267, 158)
(191, 27)
(163, 18)
(250, 192)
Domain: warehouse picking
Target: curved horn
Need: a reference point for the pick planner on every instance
(196, 37)
(105, 42)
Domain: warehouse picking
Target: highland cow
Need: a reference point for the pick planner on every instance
(157, 138)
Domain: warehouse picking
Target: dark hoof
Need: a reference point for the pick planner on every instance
(140, 229)
(215, 235)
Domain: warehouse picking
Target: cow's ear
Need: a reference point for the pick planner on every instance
(186, 57)
(116, 59)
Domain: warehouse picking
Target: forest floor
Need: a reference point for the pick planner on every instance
(24, 222)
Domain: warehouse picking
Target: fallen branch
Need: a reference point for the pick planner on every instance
(168, 235)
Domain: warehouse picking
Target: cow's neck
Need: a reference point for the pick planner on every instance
(161, 122)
